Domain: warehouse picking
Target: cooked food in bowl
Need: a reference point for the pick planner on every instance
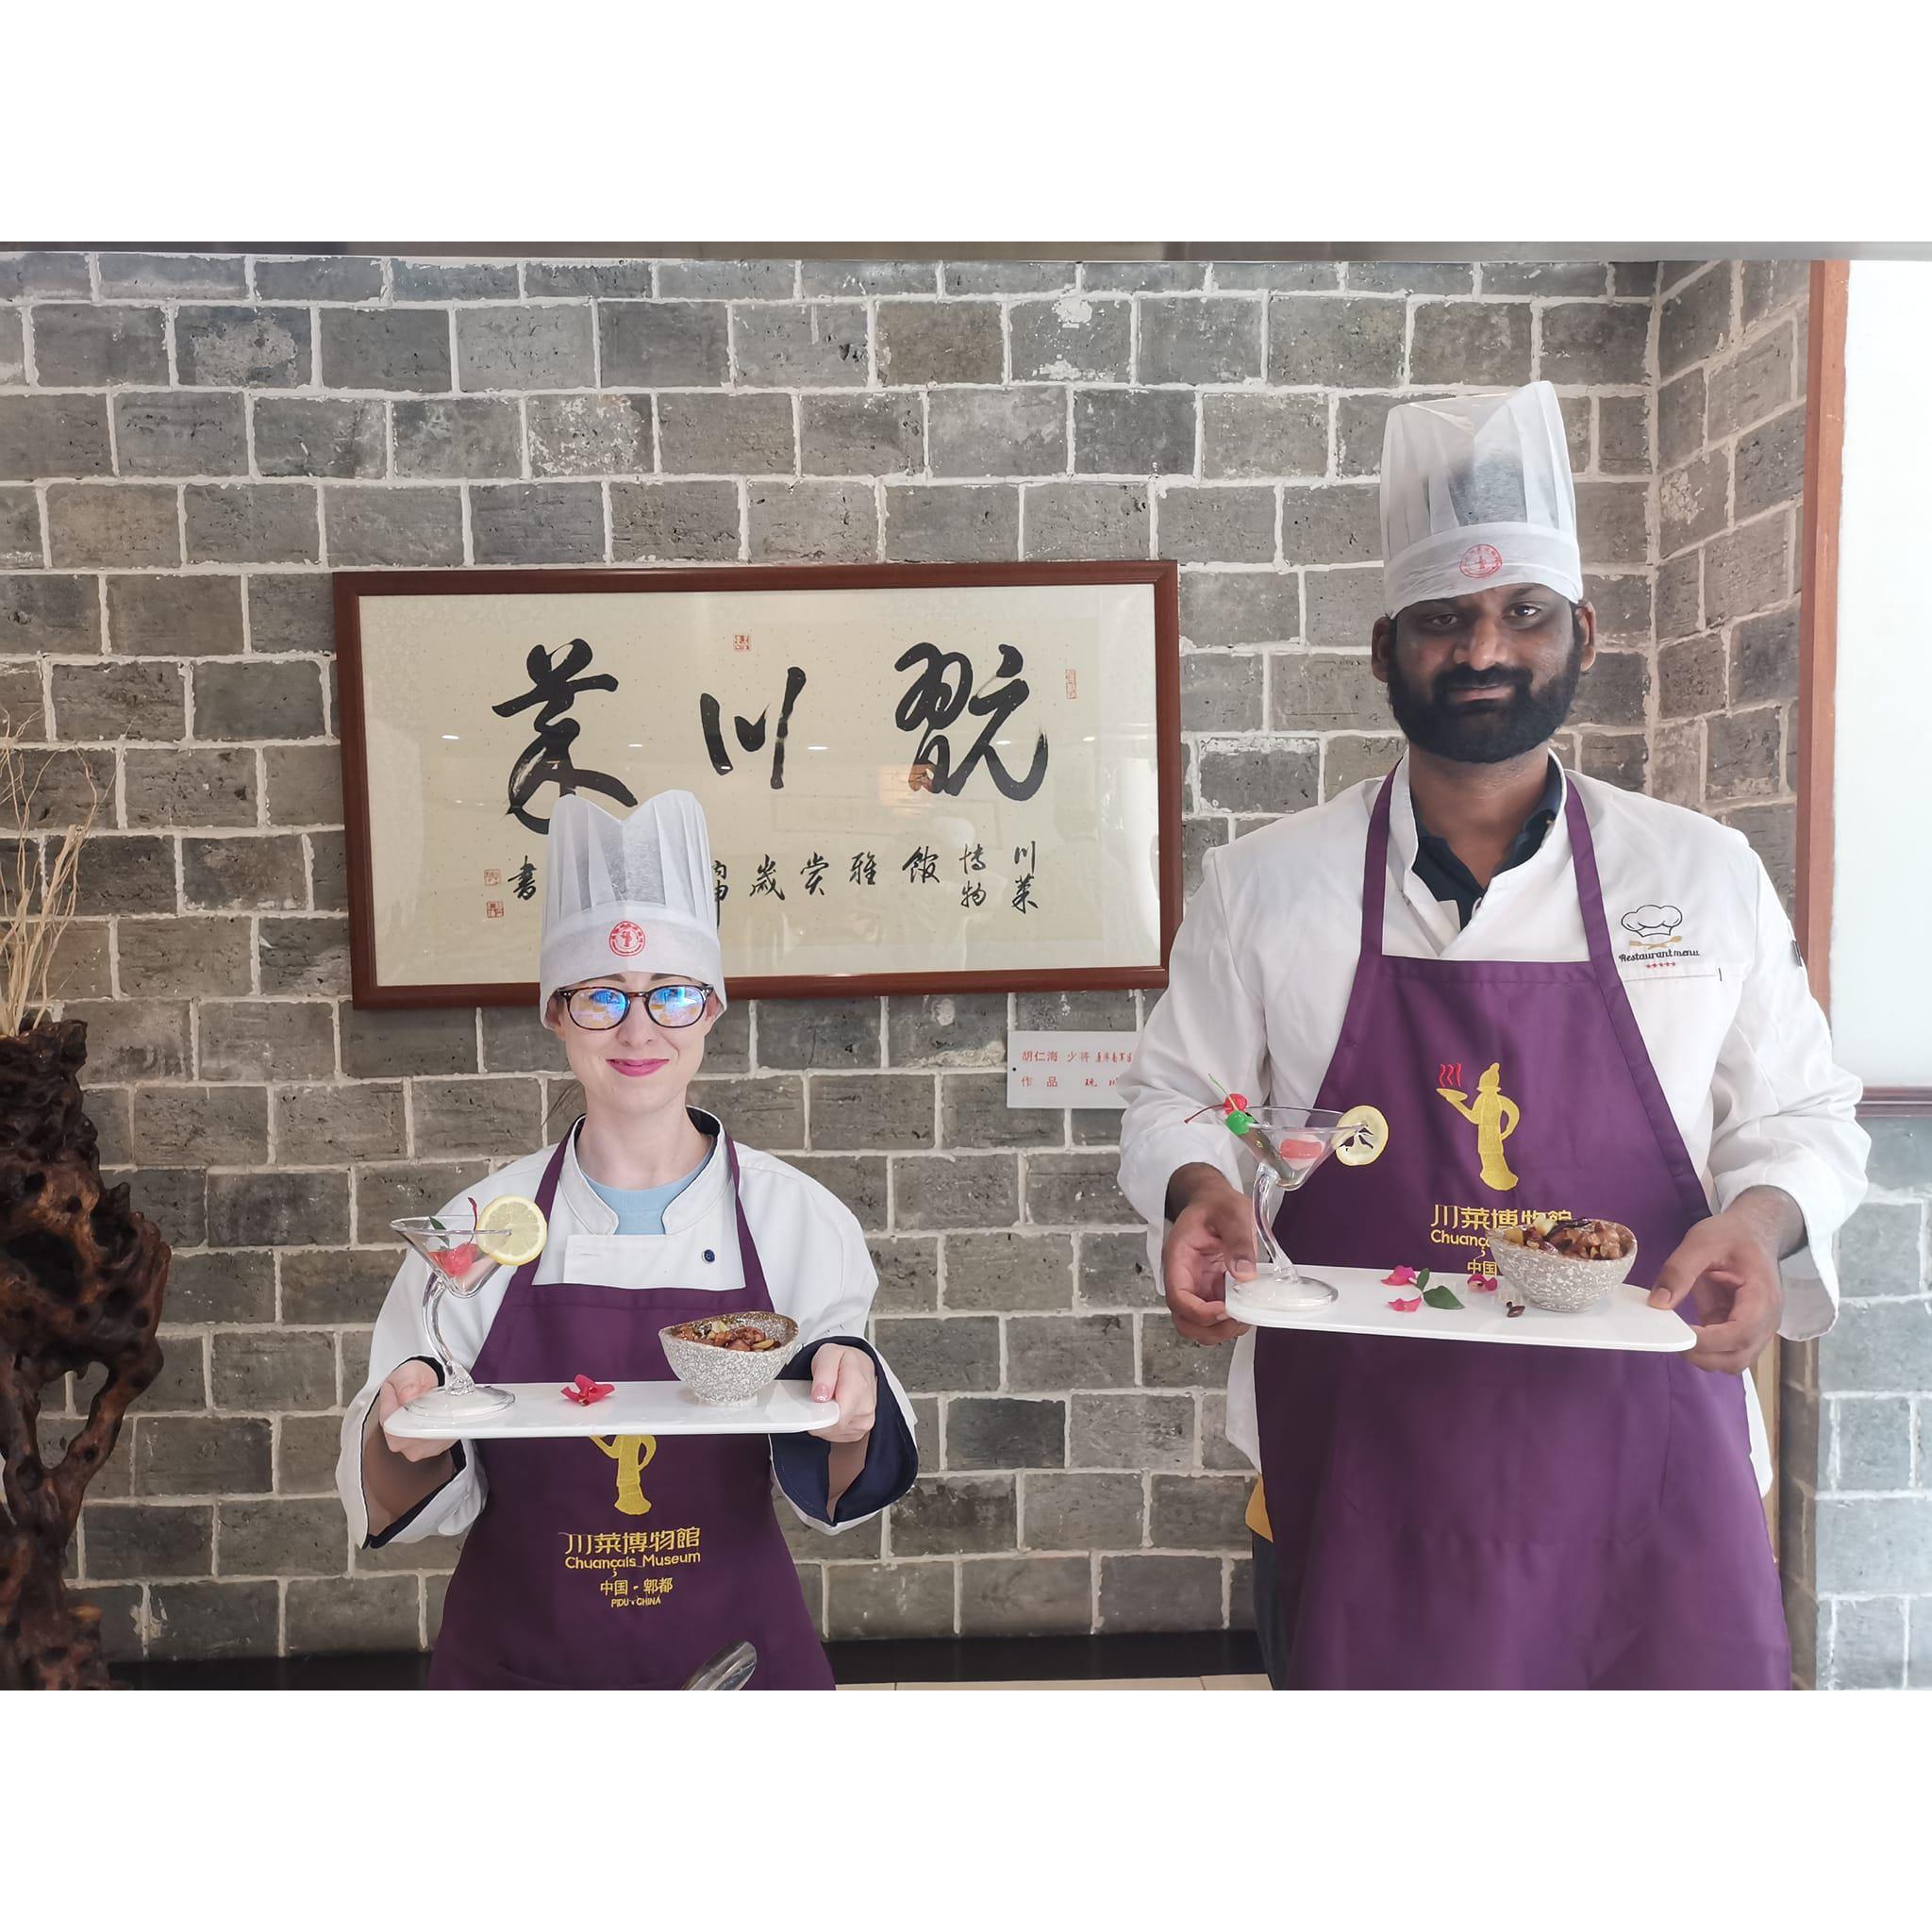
(1581, 1240)
(1563, 1264)
(726, 1331)
(727, 1359)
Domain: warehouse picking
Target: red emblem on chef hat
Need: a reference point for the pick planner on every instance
(627, 938)
(1481, 560)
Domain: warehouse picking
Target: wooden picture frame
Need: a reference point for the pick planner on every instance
(1031, 650)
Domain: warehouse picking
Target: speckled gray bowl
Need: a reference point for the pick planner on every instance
(1560, 1283)
(728, 1376)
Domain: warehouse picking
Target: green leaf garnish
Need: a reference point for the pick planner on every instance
(438, 1225)
(1440, 1298)
(1421, 1280)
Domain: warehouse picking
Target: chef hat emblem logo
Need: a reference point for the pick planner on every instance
(1653, 922)
(627, 938)
(1481, 560)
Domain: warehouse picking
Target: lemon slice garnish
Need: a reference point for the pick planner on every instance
(1360, 1136)
(511, 1230)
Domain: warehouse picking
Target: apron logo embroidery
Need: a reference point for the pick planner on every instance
(631, 1454)
(1495, 1116)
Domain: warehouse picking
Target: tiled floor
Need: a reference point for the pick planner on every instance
(1256, 1683)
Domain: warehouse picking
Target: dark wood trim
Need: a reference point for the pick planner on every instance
(351, 729)
(1895, 1103)
(353, 586)
(854, 1661)
(1825, 442)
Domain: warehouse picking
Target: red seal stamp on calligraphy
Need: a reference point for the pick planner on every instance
(627, 938)
(1481, 560)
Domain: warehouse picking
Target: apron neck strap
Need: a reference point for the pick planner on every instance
(747, 1249)
(546, 1200)
(1375, 871)
(1590, 888)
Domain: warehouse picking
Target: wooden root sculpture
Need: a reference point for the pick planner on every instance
(81, 1276)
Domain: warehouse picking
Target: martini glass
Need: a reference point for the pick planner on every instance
(1289, 1143)
(457, 1266)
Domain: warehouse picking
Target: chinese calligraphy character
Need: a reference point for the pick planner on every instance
(814, 871)
(522, 881)
(923, 867)
(547, 757)
(973, 893)
(1028, 855)
(751, 732)
(972, 858)
(767, 881)
(865, 869)
(940, 691)
(1024, 900)
(720, 891)
(494, 910)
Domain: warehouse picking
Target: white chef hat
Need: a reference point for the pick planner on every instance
(629, 895)
(1477, 492)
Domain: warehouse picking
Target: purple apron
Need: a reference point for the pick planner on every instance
(1452, 1515)
(619, 1562)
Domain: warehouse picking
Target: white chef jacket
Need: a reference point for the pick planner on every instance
(1261, 969)
(817, 1266)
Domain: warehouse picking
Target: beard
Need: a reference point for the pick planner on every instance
(1484, 734)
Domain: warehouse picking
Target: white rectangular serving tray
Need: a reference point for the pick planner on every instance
(1623, 1319)
(631, 1408)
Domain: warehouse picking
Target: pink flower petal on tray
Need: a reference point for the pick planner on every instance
(1399, 1278)
(1407, 1308)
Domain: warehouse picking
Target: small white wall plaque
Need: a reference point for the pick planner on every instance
(1067, 1069)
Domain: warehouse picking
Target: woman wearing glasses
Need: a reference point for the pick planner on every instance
(656, 1216)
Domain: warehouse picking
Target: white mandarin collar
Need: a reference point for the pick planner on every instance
(591, 1214)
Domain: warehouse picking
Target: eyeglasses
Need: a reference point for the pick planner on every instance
(598, 1008)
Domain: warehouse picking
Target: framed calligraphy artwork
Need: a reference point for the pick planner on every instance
(918, 777)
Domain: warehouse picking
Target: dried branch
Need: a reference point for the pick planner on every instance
(37, 913)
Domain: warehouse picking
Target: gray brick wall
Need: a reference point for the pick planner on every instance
(1730, 414)
(1730, 342)
(1855, 1421)
(187, 447)
(1857, 1442)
